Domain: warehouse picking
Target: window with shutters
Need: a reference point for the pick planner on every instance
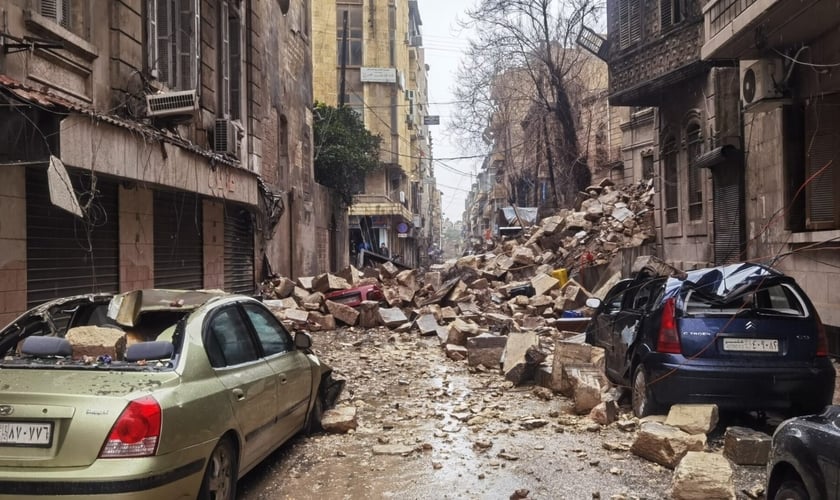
(230, 59)
(670, 13)
(694, 142)
(59, 11)
(669, 178)
(822, 162)
(172, 41)
(354, 33)
(630, 22)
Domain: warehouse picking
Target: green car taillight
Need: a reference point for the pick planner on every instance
(136, 431)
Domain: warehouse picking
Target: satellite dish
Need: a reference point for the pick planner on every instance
(748, 86)
(284, 6)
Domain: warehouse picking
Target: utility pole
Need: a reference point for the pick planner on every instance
(341, 90)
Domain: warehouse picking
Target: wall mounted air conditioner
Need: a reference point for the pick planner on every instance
(416, 41)
(410, 94)
(226, 137)
(409, 119)
(761, 80)
(171, 103)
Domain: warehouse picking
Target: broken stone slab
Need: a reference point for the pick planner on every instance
(320, 322)
(368, 314)
(455, 352)
(523, 256)
(279, 305)
(350, 274)
(408, 278)
(703, 476)
(448, 313)
(621, 214)
(693, 419)
(339, 420)
(343, 313)
(521, 356)
(305, 282)
(585, 387)
(655, 266)
(460, 330)
(485, 349)
(427, 324)
(605, 412)
(479, 284)
(406, 294)
(296, 315)
(388, 270)
(95, 341)
(314, 300)
(745, 446)
(664, 444)
(392, 316)
(283, 288)
(593, 208)
(329, 282)
(432, 278)
(543, 283)
(300, 293)
(574, 296)
(469, 308)
(601, 292)
(442, 334)
(458, 292)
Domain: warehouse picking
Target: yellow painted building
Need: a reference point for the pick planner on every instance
(385, 82)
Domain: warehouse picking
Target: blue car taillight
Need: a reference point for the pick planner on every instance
(669, 339)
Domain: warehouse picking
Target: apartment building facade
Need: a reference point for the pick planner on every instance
(385, 81)
(153, 144)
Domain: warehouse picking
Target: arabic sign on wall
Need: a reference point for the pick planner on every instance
(379, 75)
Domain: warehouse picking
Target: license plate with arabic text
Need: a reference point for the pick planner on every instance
(26, 434)
(751, 345)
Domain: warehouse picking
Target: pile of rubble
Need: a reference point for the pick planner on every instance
(512, 309)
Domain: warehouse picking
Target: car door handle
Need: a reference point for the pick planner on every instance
(239, 394)
(282, 378)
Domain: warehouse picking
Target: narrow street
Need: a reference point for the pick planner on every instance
(429, 427)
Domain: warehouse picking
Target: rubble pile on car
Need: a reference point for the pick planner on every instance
(513, 308)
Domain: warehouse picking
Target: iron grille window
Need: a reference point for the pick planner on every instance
(694, 140)
(172, 29)
(58, 11)
(647, 167)
(669, 159)
(230, 59)
(354, 33)
(822, 162)
(630, 22)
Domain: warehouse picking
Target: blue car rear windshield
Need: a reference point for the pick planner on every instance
(776, 300)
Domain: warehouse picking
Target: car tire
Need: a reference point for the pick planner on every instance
(791, 489)
(641, 396)
(220, 475)
(313, 420)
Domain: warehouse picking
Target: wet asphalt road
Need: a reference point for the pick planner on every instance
(462, 434)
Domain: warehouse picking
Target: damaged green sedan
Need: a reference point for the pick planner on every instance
(151, 394)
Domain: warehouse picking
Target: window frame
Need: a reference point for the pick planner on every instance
(58, 11)
(694, 148)
(629, 23)
(821, 140)
(670, 181)
(289, 341)
(355, 34)
(674, 10)
(186, 45)
(209, 340)
(230, 37)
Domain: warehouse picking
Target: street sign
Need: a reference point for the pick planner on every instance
(431, 120)
(379, 75)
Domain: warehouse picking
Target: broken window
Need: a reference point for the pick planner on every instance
(669, 160)
(694, 140)
(822, 162)
(230, 60)
(172, 29)
(629, 22)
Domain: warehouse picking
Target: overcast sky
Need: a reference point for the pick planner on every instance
(444, 42)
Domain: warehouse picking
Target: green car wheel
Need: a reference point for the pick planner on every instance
(219, 481)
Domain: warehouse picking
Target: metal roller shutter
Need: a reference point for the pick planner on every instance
(67, 255)
(729, 209)
(239, 250)
(179, 257)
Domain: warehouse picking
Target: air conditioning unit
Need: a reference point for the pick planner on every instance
(761, 79)
(410, 94)
(171, 103)
(416, 41)
(226, 137)
(409, 119)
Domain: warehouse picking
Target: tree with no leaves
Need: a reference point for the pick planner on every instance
(519, 84)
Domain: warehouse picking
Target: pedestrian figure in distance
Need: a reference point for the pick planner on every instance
(383, 249)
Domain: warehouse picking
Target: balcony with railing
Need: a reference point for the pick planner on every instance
(748, 29)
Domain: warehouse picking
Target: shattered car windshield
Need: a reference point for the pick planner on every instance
(768, 298)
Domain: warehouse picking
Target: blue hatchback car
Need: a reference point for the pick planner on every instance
(742, 336)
